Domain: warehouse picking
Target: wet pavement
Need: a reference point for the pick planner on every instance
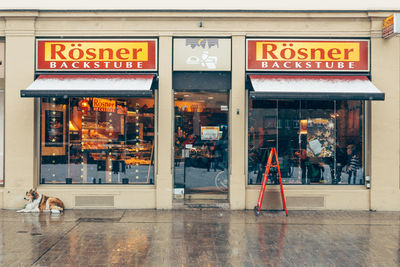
(200, 238)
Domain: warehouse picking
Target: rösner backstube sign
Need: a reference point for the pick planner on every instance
(96, 55)
(307, 55)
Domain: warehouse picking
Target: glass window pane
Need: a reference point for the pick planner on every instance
(350, 145)
(262, 136)
(97, 140)
(320, 135)
(318, 142)
(201, 143)
(289, 143)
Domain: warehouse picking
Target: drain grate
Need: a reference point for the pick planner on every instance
(99, 220)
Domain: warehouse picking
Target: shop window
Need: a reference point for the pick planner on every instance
(97, 141)
(318, 142)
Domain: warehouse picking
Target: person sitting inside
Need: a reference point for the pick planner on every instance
(353, 163)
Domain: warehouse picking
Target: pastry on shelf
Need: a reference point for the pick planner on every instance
(134, 161)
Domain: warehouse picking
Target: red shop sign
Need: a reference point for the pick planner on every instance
(96, 55)
(307, 55)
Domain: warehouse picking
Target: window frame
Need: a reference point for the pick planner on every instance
(37, 149)
(365, 139)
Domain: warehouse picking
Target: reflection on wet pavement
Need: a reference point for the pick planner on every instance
(200, 238)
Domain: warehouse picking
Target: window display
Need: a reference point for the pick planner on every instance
(97, 140)
(318, 142)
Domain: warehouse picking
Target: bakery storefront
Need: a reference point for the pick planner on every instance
(309, 98)
(96, 110)
(146, 110)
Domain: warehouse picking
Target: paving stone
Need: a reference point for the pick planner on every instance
(200, 238)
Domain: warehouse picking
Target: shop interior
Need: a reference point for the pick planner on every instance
(201, 142)
(97, 140)
(318, 142)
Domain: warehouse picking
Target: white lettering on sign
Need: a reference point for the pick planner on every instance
(309, 65)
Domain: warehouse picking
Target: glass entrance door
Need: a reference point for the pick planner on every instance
(201, 143)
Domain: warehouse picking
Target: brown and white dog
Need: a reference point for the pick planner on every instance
(39, 203)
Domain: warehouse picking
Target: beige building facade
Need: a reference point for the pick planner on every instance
(24, 117)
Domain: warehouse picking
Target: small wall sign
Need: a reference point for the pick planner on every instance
(391, 25)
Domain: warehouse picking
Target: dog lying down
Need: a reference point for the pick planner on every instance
(41, 203)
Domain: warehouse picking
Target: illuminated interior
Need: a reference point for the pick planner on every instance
(97, 140)
(312, 140)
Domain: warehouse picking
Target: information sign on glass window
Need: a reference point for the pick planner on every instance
(202, 54)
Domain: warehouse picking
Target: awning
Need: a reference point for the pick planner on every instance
(90, 85)
(314, 87)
